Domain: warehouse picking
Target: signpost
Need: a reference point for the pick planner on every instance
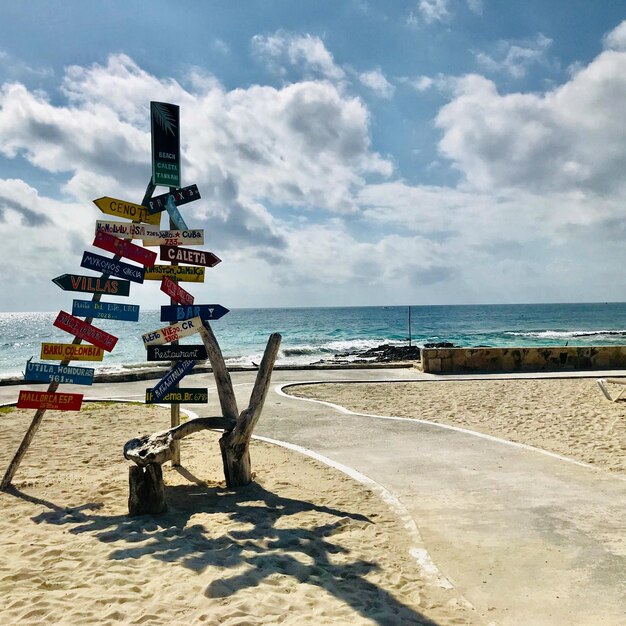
(173, 332)
(174, 313)
(188, 395)
(176, 219)
(176, 293)
(91, 284)
(165, 125)
(70, 352)
(181, 196)
(106, 310)
(182, 273)
(193, 237)
(129, 210)
(180, 369)
(111, 266)
(85, 331)
(189, 256)
(44, 400)
(177, 353)
(124, 248)
(48, 372)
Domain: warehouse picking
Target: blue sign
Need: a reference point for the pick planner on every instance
(106, 310)
(52, 373)
(174, 213)
(159, 391)
(112, 267)
(173, 313)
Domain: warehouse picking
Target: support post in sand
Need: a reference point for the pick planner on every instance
(37, 419)
(147, 490)
(235, 443)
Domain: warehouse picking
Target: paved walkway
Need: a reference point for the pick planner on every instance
(526, 538)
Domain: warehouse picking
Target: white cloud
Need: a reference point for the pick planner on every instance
(433, 10)
(514, 58)
(304, 52)
(377, 82)
(616, 39)
(475, 6)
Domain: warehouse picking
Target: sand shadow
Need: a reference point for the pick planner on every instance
(266, 547)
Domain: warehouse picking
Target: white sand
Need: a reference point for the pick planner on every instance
(567, 416)
(304, 545)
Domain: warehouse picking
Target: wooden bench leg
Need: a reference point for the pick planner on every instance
(147, 490)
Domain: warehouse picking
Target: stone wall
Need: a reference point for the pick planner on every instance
(539, 359)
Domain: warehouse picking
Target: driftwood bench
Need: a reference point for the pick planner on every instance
(147, 491)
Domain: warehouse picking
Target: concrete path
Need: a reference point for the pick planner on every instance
(525, 537)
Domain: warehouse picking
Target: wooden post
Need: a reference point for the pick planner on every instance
(235, 444)
(146, 490)
(175, 408)
(37, 419)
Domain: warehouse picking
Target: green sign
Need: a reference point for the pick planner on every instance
(165, 124)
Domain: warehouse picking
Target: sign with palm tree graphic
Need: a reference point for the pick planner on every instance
(165, 123)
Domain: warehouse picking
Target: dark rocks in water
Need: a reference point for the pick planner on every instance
(440, 344)
(387, 353)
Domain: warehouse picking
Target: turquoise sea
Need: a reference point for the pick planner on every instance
(311, 334)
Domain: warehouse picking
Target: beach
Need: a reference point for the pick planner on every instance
(304, 544)
(569, 416)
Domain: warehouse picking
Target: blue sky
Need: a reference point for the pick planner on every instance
(348, 153)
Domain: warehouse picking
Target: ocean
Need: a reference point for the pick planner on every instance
(313, 334)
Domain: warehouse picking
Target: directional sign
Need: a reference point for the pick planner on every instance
(181, 272)
(124, 248)
(188, 395)
(203, 311)
(70, 352)
(177, 353)
(176, 238)
(52, 373)
(181, 196)
(174, 291)
(165, 125)
(109, 266)
(181, 369)
(127, 229)
(91, 284)
(175, 217)
(173, 332)
(129, 210)
(189, 256)
(106, 310)
(85, 331)
(54, 401)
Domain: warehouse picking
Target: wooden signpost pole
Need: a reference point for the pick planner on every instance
(38, 417)
(175, 408)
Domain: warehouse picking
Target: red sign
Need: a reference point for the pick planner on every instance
(124, 248)
(175, 292)
(85, 331)
(189, 256)
(44, 400)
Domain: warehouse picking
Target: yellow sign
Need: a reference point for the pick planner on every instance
(71, 351)
(181, 272)
(121, 208)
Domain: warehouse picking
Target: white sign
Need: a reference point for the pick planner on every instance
(173, 332)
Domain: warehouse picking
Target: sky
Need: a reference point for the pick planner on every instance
(348, 152)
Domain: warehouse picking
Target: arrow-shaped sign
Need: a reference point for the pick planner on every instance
(174, 291)
(170, 379)
(203, 311)
(173, 332)
(181, 196)
(110, 266)
(106, 310)
(50, 372)
(129, 210)
(91, 284)
(124, 248)
(85, 331)
(189, 256)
